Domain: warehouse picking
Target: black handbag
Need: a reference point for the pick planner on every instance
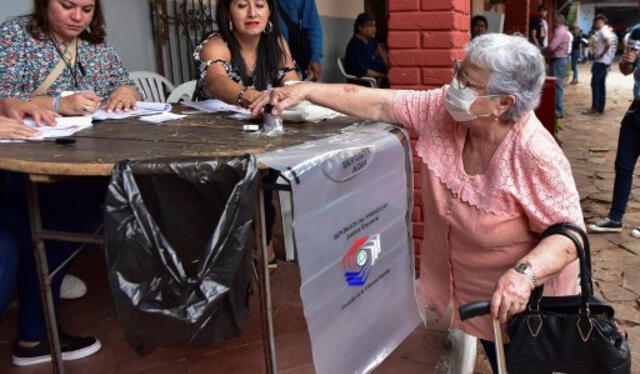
(567, 334)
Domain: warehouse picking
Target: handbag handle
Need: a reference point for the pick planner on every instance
(586, 283)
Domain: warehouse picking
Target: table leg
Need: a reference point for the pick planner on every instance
(264, 285)
(43, 275)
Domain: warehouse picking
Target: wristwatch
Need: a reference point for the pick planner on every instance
(524, 268)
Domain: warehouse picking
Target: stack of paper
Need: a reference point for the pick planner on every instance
(142, 109)
(216, 106)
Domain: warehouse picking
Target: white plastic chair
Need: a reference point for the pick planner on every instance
(154, 86)
(369, 81)
(183, 92)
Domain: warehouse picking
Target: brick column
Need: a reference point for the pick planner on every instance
(425, 37)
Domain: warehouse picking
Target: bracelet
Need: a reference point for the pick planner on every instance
(56, 104)
(240, 96)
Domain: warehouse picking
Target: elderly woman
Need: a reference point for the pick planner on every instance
(493, 177)
(61, 47)
(247, 56)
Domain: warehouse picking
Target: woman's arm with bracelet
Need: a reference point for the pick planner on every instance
(367, 103)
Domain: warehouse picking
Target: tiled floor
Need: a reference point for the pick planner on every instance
(94, 314)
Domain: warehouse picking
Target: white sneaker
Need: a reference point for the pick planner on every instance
(636, 233)
(72, 287)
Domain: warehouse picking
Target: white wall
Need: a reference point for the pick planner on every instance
(340, 8)
(128, 28)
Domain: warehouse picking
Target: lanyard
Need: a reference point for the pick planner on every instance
(76, 65)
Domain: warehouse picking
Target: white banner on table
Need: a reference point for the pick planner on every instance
(350, 219)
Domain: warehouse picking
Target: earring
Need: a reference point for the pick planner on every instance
(230, 26)
(268, 29)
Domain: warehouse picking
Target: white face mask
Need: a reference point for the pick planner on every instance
(459, 101)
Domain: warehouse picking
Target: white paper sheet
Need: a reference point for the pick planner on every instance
(216, 106)
(142, 109)
(162, 117)
(65, 126)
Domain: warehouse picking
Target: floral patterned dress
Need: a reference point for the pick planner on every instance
(25, 62)
(201, 92)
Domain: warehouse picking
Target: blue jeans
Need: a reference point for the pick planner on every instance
(598, 88)
(626, 157)
(575, 58)
(71, 205)
(559, 70)
(8, 267)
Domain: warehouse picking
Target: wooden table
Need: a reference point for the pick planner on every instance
(98, 149)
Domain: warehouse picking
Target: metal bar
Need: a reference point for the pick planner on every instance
(73, 237)
(264, 286)
(43, 275)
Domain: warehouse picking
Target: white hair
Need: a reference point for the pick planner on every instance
(516, 67)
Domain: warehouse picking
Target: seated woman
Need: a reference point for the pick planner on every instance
(247, 56)
(13, 128)
(364, 56)
(61, 47)
(493, 178)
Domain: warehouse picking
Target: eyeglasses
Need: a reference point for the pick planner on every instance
(462, 78)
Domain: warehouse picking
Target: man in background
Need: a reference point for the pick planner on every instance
(539, 28)
(603, 40)
(479, 25)
(628, 141)
(557, 53)
(300, 25)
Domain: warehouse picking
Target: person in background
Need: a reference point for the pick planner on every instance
(300, 24)
(479, 25)
(557, 53)
(364, 57)
(493, 178)
(628, 142)
(247, 55)
(61, 47)
(539, 29)
(603, 40)
(578, 43)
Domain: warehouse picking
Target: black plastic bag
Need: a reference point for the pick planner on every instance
(177, 235)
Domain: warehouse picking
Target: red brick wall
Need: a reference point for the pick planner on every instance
(425, 37)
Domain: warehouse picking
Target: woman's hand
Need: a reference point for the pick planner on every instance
(17, 110)
(12, 129)
(80, 104)
(123, 98)
(511, 295)
(281, 98)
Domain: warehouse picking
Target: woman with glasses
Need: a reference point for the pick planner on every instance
(492, 178)
(61, 48)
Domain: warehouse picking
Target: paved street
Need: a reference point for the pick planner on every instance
(590, 144)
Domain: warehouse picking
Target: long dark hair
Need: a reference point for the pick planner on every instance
(270, 52)
(39, 26)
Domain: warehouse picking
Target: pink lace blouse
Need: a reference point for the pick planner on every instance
(478, 226)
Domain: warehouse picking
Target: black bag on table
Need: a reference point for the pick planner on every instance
(567, 334)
